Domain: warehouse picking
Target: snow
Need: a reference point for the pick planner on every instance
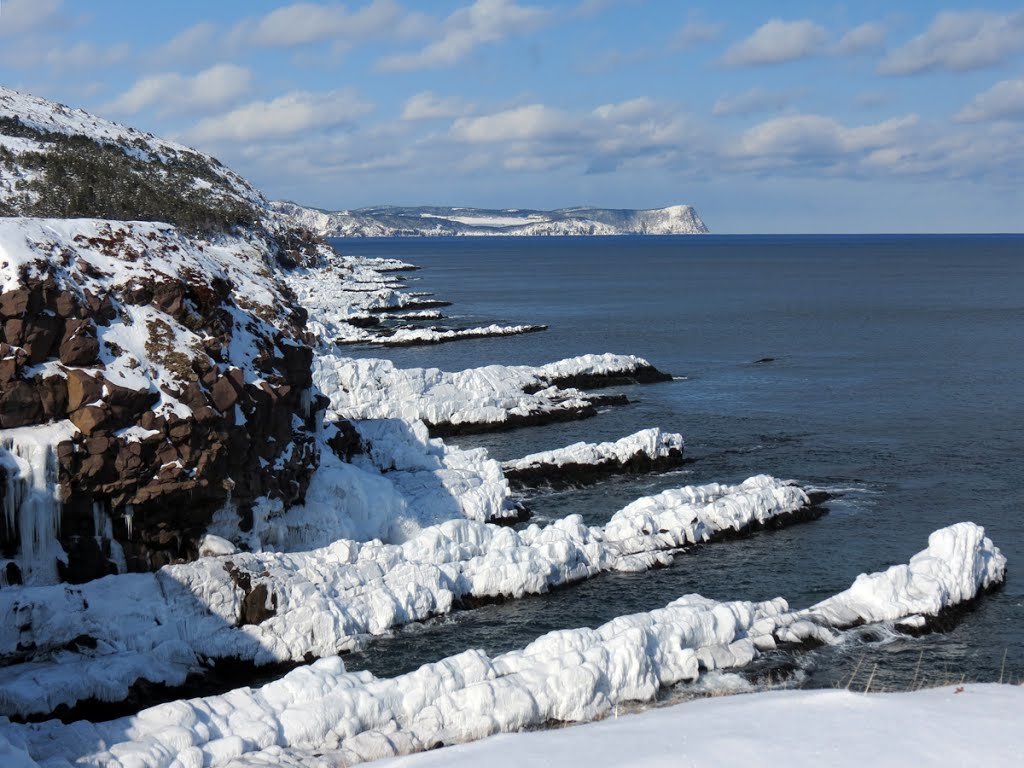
(377, 389)
(571, 675)
(652, 443)
(937, 727)
(488, 221)
(327, 599)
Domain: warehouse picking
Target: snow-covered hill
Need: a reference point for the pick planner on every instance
(392, 221)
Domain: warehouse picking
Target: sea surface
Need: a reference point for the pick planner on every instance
(892, 374)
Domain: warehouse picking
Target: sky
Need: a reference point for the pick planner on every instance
(767, 117)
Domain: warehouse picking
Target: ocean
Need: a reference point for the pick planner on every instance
(887, 369)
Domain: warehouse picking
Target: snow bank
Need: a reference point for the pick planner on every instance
(495, 395)
(853, 730)
(326, 600)
(642, 451)
(568, 676)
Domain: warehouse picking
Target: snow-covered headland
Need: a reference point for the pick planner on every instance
(393, 221)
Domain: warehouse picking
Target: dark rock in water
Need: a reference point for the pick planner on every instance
(566, 475)
(521, 513)
(363, 321)
(646, 374)
(514, 421)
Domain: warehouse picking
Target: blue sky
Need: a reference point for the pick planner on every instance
(768, 117)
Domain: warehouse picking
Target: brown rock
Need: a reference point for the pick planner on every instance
(14, 331)
(20, 405)
(41, 337)
(53, 396)
(224, 394)
(14, 303)
(151, 421)
(82, 389)
(67, 305)
(90, 418)
(79, 351)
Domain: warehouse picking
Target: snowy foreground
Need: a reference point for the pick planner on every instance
(982, 724)
(323, 714)
(160, 626)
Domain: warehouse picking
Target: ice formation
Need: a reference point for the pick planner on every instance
(647, 448)
(491, 395)
(158, 626)
(567, 675)
(32, 507)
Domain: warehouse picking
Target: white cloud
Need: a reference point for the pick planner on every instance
(753, 101)
(86, 55)
(532, 122)
(816, 138)
(537, 137)
(428, 106)
(20, 16)
(195, 42)
(212, 89)
(1005, 99)
(866, 37)
(957, 41)
(294, 113)
(485, 21)
(304, 23)
(776, 42)
(696, 32)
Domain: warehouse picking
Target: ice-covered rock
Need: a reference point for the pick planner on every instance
(490, 397)
(278, 606)
(644, 451)
(565, 676)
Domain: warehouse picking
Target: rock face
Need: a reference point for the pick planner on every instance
(180, 368)
(394, 221)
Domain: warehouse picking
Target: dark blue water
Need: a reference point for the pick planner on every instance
(898, 377)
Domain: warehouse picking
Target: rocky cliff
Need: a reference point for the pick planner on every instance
(153, 363)
(392, 221)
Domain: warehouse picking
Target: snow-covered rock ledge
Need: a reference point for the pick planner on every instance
(649, 450)
(493, 397)
(576, 675)
(412, 337)
(65, 644)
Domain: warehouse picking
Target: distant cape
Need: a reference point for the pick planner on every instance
(428, 221)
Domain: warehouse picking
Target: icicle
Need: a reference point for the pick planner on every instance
(306, 402)
(31, 506)
(129, 514)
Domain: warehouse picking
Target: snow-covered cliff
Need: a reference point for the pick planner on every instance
(392, 221)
